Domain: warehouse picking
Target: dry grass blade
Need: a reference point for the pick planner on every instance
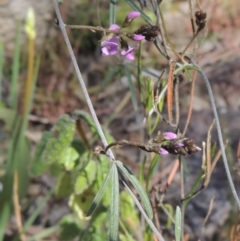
(191, 103)
(208, 214)
(170, 91)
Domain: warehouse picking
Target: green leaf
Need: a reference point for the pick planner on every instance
(69, 228)
(151, 168)
(85, 178)
(178, 224)
(69, 158)
(112, 11)
(64, 186)
(100, 193)
(61, 137)
(142, 193)
(114, 206)
(38, 166)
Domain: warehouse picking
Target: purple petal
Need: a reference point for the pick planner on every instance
(133, 14)
(163, 151)
(114, 39)
(130, 56)
(109, 48)
(138, 37)
(180, 144)
(114, 27)
(170, 135)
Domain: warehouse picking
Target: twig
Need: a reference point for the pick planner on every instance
(220, 138)
(17, 208)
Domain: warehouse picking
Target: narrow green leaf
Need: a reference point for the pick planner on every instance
(131, 87)
(151, 168)
(112, 11)
(142, 193)
(100, 193)
(111, 72)
(15, 70)
(178, 224)
(114, 206)
(1, 68)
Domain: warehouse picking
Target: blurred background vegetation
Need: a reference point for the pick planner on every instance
(38, 85)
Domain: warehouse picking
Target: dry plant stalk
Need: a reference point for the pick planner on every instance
(170, 91)
(17, 207)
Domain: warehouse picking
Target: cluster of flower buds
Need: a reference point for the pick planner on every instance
(171, 144)
(200, 19)
(114, 42)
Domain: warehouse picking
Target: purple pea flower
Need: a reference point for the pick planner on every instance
(129, 18)
(128, 53)
(110, 47)
(114, 27)
(163, 151)
(133, 14)
(136, 37)
(169, 135)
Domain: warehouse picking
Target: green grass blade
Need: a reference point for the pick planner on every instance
(45, 233)
(114, 206)
(15, 70)
(142, 193)
(112, 11)
(131, 87)
(151, 168)
(178, 224)
(100, 193)
(1, 68)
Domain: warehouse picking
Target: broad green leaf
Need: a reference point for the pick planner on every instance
(85, 178)
(114, 205)
(101, 192)
(70, 228)
(61, 137)
(64, 186)
(142, 193)
(81, 203)
(68, 158)
(178, 224)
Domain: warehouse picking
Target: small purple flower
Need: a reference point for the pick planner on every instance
(169, 135)
(163, 151)
(110, 44)
(129, 18)
(136, 37)
(128, 53)
(114, 27)
(133, 14)
(110, 47)
(180, 144)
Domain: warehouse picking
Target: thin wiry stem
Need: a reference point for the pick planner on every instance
(148, 220)
(220, 138)
(79, 75)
